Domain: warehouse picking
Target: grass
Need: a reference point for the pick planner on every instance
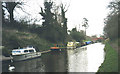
(13, 39)
(110, 63)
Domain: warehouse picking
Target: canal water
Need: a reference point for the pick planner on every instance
(84, 59)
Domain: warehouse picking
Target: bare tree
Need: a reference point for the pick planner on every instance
(10, 7)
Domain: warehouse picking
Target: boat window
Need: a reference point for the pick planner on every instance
(15, 51)
(31, 50)
(25, 50)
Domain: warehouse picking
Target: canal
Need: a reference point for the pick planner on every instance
(84, 59)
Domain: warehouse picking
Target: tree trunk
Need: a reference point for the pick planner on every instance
(11, 16)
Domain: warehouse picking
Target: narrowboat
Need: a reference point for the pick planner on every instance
(55, 49)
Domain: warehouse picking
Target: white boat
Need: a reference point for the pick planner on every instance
(25, 53)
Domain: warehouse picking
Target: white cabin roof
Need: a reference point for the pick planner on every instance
(21, 51)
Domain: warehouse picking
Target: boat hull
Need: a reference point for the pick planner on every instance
(55, 49)
(71, 47)
(26, 56)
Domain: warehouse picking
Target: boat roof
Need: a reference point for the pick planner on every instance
(25, 48)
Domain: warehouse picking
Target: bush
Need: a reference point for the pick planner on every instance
(6, 51)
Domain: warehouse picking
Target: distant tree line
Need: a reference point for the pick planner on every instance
(76, 35)
(112, 21)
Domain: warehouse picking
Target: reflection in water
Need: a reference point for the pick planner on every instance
(95, 56)
(77, 60)
(34, 65)
(86, 59)
(48, 62)
(55, 61)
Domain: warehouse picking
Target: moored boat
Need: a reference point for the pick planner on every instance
(88, 42)
(25, 53)
(71, 45)
(55, 49)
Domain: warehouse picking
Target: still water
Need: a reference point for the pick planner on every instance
(84, 59)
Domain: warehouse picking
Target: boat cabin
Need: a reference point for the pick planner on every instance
(23, 51)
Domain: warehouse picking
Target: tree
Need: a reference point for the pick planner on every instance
(3, 13)
(111, 27)
(114, 6)
(112, 21)
(48, 20)
(52, 30)
(64, 21)
(55, 23)
(10, 6)
(76, 35)
(85, 24)
(94, 36)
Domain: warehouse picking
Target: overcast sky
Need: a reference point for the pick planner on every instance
(94, 10)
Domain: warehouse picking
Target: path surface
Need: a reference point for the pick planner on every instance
(115, 46)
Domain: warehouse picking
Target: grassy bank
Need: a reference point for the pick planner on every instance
(110, 63)
(12, 39)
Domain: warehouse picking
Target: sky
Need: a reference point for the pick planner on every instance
(94, 10)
